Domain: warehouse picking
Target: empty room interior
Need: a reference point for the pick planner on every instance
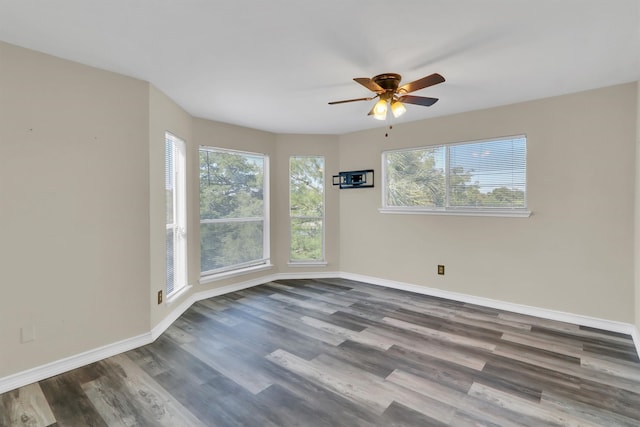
(203, 206)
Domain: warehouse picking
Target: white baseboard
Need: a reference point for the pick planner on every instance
(578, 319)
(636, 338)
(195, 297)
(57, 367)
(302, 275)
(48, 370)
(210, 293)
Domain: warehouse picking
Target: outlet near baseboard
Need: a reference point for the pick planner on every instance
(441, 270)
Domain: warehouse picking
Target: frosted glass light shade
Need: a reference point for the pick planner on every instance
(380, 110)
(398, 108)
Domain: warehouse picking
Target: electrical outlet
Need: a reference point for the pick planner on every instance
(159, 297)
(441, 270)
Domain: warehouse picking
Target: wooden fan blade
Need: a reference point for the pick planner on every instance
(350, 100)
(369, 84)
(418, 100)
(427, 81)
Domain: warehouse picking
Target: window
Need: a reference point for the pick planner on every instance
(306, 209)
(477, 178)
(234, 228)
(176, 205)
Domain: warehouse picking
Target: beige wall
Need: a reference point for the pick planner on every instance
(74, 173)
(574, 254)
(82, 200)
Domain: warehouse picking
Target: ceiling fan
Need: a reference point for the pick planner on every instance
(387, 88)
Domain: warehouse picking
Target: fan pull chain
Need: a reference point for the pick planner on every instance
(386, 135)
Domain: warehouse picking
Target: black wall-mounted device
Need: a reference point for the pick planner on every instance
(354, 179)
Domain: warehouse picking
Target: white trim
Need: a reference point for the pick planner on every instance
(210, 278)
(57, 367)
(225, 220)
(459, 212)
(296, 264)
(210, 293)
(198, 296)
(635, 334)
(307, 275)
(175, 296)
(593, 322)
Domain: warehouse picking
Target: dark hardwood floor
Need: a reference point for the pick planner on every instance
(334, 352)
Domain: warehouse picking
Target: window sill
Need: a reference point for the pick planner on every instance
(177, 294)
(295, 264)
(513, 213)
(233, 273)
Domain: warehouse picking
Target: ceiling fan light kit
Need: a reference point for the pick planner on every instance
(397, 108)
(380, 110)
(393, 96)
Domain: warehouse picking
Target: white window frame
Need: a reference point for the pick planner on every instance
(310, 262)
(255, 265)
(447, 210)
(179, 206)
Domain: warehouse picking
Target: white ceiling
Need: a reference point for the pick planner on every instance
(274, 65)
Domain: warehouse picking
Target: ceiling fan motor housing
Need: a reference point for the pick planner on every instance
(388, 81)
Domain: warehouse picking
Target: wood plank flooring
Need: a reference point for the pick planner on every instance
(334, 352)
